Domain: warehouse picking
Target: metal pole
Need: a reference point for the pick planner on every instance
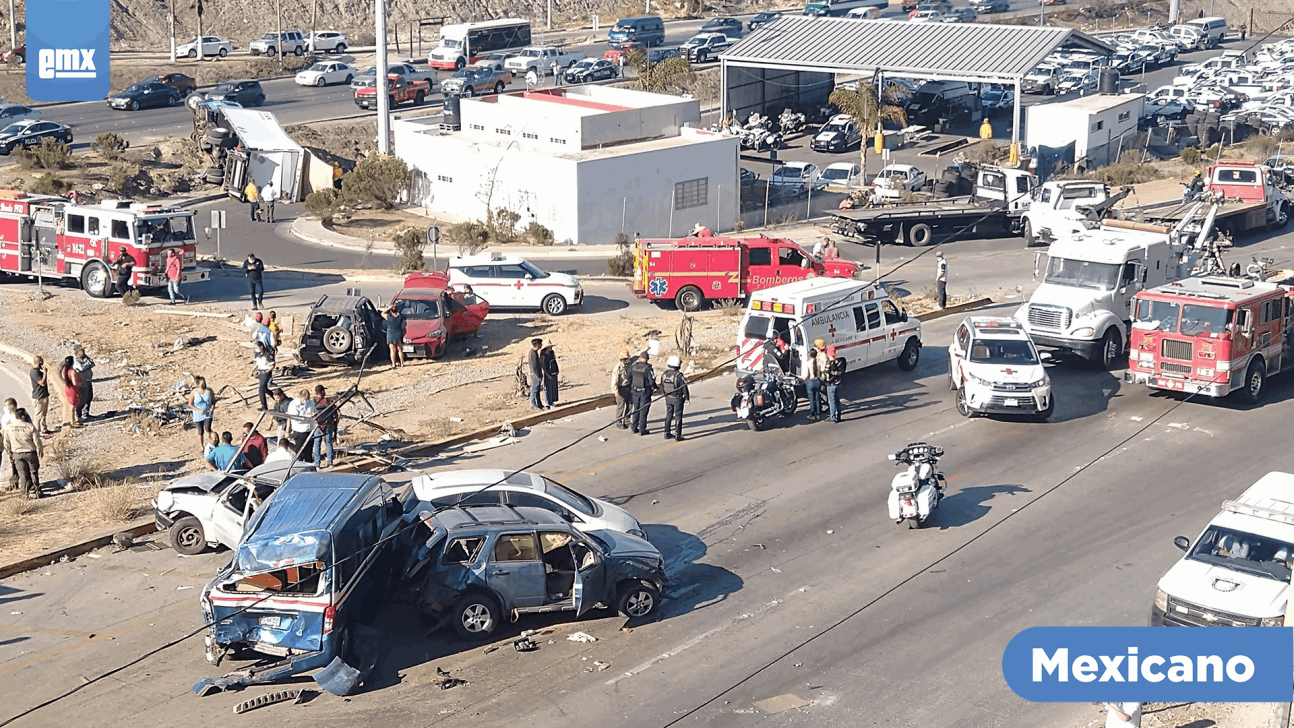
(278, 12)
(718, 206)
(171, 5)
(550, 14)
(383, 99)
(672, 200)
(218, 257)
(624, 210)
(1015, 117)
(201, 55)
(13, 29)
(808, 206)
(768, 186)
(314, 15)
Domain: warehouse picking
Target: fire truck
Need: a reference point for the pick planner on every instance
(1211, 336)
(53, 238)
(689, 271)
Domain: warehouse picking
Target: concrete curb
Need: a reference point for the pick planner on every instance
(45, 559)
(311, 230)
(15, 351)
(958, 308)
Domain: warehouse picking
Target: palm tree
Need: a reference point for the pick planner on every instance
(867, 110)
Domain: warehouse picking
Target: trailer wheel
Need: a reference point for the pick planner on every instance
(919, 235)
(1027, 231)
(689, 299)
(1255, 380)
(95, 279)
(1282, 216)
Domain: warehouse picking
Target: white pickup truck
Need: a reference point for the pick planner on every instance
(540, 59)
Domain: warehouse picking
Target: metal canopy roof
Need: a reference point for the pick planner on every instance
(970, 51)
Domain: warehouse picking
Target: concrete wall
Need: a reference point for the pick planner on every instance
(566, 127)
(768, 91)
(1094, 132)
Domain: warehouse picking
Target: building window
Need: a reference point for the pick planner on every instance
(476, 127)
(504, 132)
(528, 135)
(555, 140)
(1100, 125)
(443, 178)
(691, 193)
(1124, 116)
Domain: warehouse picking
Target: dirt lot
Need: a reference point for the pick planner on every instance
(1196, 715)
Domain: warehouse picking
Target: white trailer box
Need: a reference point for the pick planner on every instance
(1098, 126)
(270, 155)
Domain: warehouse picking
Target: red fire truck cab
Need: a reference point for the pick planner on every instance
(690, 271)
(1211, 336)
(53, 238)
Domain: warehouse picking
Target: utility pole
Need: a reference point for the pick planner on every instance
(201, 55)
(314, 15)
(1174, 11)
(278, 10)
(379, 80)
(550, 14)
(171, 4)
(13, 27)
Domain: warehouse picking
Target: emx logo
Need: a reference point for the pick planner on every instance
(68, 39)
(67, 63)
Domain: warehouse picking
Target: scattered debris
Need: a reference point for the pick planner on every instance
(581, 637)
(446, 683)
(123, 540)
(182, 588)
(490, 649)
(281, 696)
(761, 547)
(626, 630)
(775, 569)
(524, 645)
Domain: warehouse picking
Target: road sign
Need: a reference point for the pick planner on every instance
(218, 220)
(433, 239)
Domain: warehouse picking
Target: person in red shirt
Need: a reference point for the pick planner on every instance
(701, 231)
(173, 274)
(254, 445)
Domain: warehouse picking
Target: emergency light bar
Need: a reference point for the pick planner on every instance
(773, 307)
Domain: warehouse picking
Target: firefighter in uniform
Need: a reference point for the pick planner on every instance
(674, 386)
(624, 395)
(642, 382)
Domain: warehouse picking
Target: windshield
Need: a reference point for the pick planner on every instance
(165, 229)
(532, 270)
(1082, 274)
(451, 43)
(224, 88)
(319, 67)
(835, 126)
(570, 498)
(418, 308)
(835, 174)
(1246, 552)
(790, 172)
(1160, 315)
(756, 328)
(1002, 351)
(134, 88)
(1198, 319)
(925, 97)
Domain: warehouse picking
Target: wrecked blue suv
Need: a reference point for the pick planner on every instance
(312, 560)
(470, 565)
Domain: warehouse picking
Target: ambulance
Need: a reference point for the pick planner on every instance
(856, 317)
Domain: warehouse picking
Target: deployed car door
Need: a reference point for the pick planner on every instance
(227, 519)
(590, 578)
(466, 312)
(516, 572)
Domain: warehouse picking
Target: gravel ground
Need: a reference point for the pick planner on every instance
(1197, 715)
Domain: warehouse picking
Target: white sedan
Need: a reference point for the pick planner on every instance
(796, 177)
(508, 281)
(211, 46)
(842, 174)
(326, 73)
(897, 179)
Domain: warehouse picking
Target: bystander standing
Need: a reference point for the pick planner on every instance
(299, 428)
(202, 403)
(548, 361)
(255, 448)
(254, 271)
(253, 197)
(395, 324)
(40, 393)
(84, 366)
(174, 274)
(263, 370)
(269, 196)
(70, 382)
(326, 432)
(22, 443)
(124, 266)
(624, 394)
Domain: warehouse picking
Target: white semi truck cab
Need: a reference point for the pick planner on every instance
(1237, 572)
(1084, 303)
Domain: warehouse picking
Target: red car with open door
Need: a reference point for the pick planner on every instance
(435, 313)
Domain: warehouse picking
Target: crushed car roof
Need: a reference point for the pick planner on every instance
(338, 304)
(294, 525)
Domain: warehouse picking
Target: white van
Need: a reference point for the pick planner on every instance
(1190, 37)
(1214, 29)
(856, 317)
(1237, 573)
(864, 14)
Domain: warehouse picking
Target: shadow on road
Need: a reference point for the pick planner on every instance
(970, 504)
(689, 585)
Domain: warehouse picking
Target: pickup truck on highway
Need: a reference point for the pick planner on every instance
(476, 80)
(704, 47)
(399, 90)
(540, 59)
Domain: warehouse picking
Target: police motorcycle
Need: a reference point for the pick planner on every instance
(763, 395)
(915, 492)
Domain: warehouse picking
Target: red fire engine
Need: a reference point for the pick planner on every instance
(1211, 336)
(51, 237)
(688, 271)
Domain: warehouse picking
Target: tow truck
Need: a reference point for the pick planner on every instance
(1212, 336)
(1248, 196)
(398, 90)
(689, 271)
(52, 238)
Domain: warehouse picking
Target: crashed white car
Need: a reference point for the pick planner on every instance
(995, 368)
(210, 509)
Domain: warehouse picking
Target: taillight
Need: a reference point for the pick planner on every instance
(759, 400)
(329, 615)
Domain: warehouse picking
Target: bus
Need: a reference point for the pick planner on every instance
(470, 42)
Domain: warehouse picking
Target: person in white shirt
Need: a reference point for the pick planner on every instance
(1121, 715)
(303, 407)
(282, 453)
(7, 415)
(269, 196)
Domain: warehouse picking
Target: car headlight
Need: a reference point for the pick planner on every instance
(165, 499)
(1161, 599)
(1085, 332)
(1040, 383)
(1272, 622)
(977, 380)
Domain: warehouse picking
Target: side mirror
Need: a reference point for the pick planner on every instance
(529, 277)
(1182, 542)
(903, 315)
(892, 457)
(1046, 357)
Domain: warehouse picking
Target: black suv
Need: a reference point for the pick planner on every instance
(341, 329)
(243, 93)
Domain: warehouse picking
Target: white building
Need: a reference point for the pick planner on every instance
(586, 162)
(1099, 127)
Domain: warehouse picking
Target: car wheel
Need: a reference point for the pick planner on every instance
(910, 356)
(187, 536)
(553, 305)
(320, 82)
(193, 53)
(133, 105)
(417, 100)
(271, 51)
(459, 63)
(224, 52)
(349, 78)
(920, 235)
(498, 87)
(476, 617)
(170, 101)
(95, 279)
(337, 340)
(1111, 349)
(689, 299)
(637, 600)
(963, 409)
(952, 381)
(299, 51)
(1029, 239)
(469, 92)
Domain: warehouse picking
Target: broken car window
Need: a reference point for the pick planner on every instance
(292, 580)
(463, 550)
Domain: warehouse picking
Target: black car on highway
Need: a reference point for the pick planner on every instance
(990, 6)
(244, 93)
(32, 133)
(730, 27)
(591, 69)
(763, 19)
(147, 95)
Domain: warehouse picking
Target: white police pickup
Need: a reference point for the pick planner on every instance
(995, 368)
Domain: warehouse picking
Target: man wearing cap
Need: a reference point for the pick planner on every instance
(674, 386)
(620, 385)
(941, 279)
(815, 367)
(642, 382)
(835, 374)
(535, 371)
(701, 231)
(548, 360)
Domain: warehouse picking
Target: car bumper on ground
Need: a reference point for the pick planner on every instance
(1082, 347)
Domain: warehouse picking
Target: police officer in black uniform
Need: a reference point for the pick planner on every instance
(674, 387)
(642, 380)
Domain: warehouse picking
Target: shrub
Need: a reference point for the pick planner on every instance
(50, 154)
(121, 176)
(503, 225)
(376, 181)
(622, 263)
(1127, 173)
(324, 203)
(1262, 146)
(739, 226)
(1192, 156)
(50, 184)
(539, 235)
(410, 242)
(470, 237)
(117, 502)
(109, 145)
(130, 298)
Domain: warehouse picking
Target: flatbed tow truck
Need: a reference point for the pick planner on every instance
(1249, 198)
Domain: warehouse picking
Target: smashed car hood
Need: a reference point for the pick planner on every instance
(307, 547)
(201, 481)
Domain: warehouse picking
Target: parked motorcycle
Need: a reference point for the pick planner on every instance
(761, 396)
(915, 492)
(791, 122)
